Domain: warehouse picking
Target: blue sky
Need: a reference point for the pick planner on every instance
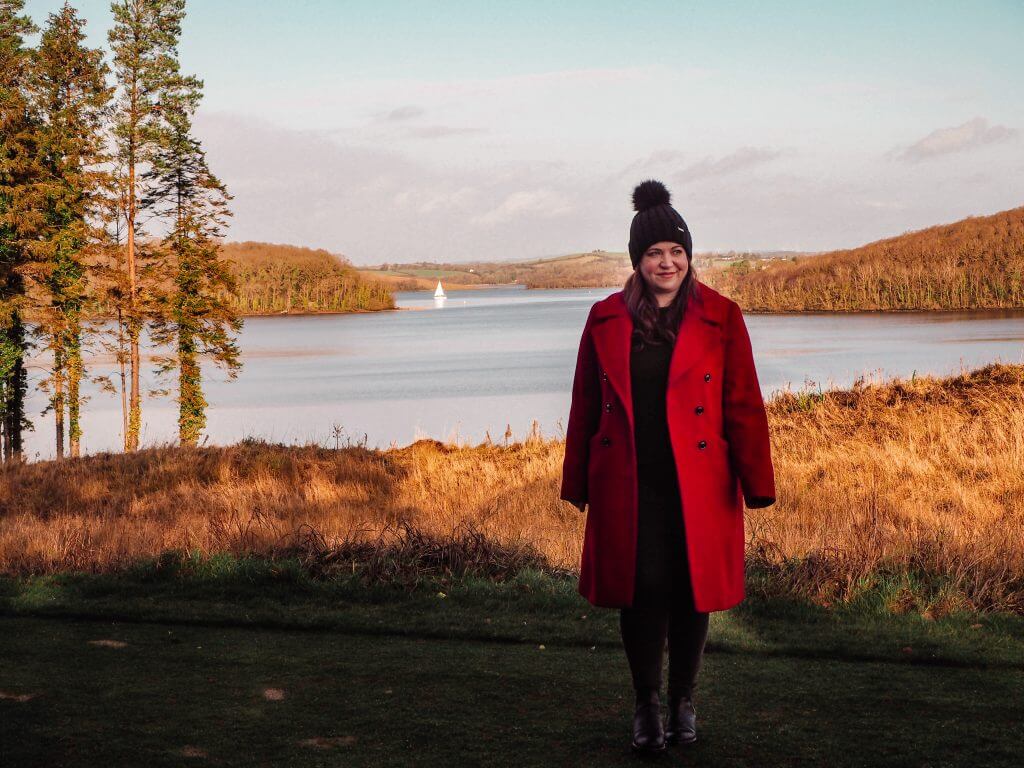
(454, 130)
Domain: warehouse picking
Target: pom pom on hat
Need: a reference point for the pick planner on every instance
(649, 194)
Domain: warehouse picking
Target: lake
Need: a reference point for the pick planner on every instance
(490, 359)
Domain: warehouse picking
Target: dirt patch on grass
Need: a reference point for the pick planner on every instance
(328, 742)
(21, 698)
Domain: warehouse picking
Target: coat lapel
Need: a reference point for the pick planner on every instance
(613, 331)
(698, 333)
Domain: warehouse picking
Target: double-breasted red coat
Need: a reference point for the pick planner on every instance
(719, 434)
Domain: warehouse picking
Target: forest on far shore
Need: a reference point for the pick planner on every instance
(974, 263)
(281, 279)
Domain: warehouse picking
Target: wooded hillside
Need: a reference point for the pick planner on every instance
(276, 279)
(975, 263)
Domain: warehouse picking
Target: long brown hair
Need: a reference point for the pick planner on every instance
(648, 326)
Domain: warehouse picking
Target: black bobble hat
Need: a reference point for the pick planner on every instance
(655, 221)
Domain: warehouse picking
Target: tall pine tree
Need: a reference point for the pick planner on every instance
(18, 220)
(68, 86)
(144, 42)
(197, 319)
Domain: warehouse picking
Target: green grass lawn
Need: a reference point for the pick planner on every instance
(256, 664)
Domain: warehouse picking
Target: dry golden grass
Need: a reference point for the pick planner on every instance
(914, 486)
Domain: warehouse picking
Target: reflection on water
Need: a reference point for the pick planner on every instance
(495, 357)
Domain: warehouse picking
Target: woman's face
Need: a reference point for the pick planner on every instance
(663, 267)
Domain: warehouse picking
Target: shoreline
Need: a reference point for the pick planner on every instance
(795, 312)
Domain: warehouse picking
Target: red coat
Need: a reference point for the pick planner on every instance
(719, 435)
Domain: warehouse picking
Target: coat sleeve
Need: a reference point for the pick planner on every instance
(584, 417)
(745, 420)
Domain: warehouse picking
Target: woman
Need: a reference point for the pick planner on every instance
(667, 438)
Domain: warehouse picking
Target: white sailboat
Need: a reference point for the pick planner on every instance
(439, 291)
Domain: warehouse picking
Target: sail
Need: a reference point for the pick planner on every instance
(439, 292)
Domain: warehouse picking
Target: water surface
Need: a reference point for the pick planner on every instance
(492, 359)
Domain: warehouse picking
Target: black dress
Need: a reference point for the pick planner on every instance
(662, 570)
(663, 605)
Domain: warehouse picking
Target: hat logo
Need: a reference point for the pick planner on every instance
(681, 229)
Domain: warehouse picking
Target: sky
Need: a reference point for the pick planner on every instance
(454, 131)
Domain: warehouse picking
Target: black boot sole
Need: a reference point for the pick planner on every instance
(648, 751)
(677, 741)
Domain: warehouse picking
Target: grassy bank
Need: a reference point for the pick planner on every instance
(907, 493)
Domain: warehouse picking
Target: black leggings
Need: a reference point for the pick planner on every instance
(663, 600)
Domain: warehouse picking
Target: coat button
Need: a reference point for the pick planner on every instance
(702, 444)
(606, 441)
(699, 410)
(604, 376)
(707, 377)
(608, 407)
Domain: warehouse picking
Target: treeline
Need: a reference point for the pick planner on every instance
(274, 279)
(108, 208)
(976, 263)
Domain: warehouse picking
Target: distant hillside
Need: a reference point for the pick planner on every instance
(976, 263)
(423, 277)
(593, 269)
(575, 270)
(279, 279)
(596, 269)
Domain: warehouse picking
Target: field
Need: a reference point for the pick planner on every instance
(906, 492)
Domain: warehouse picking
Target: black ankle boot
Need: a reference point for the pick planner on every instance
(648, 732)
(682, 721)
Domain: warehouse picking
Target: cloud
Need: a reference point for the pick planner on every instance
(943, 141)
(403, 123)
(649, 165)
(438, 131)
(377, 204)
(742, 158)
(542, 202)
(444, 201)
(657, 164)
(407, 112)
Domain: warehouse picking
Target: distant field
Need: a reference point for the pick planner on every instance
(423, 279)
(594, 269)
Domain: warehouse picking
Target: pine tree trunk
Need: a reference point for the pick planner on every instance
(135, 409)
(58, 399)
(191, 405)
(74, 368)
(134, 406)
(124, 382)
(16, 394)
